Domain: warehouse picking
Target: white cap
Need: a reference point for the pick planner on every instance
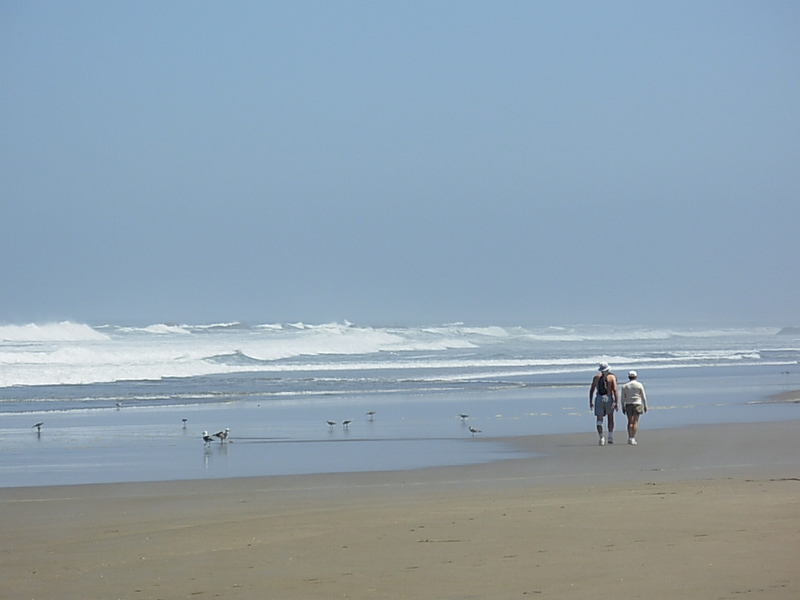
(603, 367)
(632, 375)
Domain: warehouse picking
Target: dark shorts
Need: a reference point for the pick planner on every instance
(633, 409)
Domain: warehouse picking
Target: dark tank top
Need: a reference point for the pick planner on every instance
(602, 386)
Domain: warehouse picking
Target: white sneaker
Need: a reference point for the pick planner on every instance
(610, 439)
(602, 441)
(632, 441)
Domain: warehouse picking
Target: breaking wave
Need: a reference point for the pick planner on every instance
(50, 332)
(75, 353)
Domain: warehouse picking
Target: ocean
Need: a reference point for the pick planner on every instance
(120, 403)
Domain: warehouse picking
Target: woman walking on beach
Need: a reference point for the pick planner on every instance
(634, 404)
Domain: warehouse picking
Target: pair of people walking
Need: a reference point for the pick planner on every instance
(604, 400)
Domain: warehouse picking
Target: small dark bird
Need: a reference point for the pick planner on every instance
(184, 422)
(473, 431)
(371, 414)
(331, 424)
(222, 435)
(463, 417)
(346, 424)
(207, 439)
(38, 427)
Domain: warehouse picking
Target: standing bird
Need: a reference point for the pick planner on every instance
(184, 422)
(473, 431)
(331, 424)
(371, 414)
(463, 417)
(222, 435)
(346, 424)
(38, 427)
(207, 439)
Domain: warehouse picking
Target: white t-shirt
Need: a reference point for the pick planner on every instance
(633, 393)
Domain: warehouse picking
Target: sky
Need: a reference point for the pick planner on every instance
(400, 162)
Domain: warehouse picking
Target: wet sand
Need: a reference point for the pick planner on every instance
(701, 512)
(792, 396)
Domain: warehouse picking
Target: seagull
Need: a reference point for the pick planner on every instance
(371, 414)
(207, 438)
(346, 424)
(473, 431)
(222, 435)
(331, 424)
(38, 427)
(463, 416)
(184, 422)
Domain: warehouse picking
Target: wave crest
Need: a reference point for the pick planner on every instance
(65, 331)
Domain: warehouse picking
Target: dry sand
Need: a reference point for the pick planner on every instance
(707, 512)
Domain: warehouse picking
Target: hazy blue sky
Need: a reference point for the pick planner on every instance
(497, 162)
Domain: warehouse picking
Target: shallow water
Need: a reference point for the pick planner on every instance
(408, 430)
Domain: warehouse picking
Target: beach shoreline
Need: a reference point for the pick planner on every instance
(791, 397)
(705, 511)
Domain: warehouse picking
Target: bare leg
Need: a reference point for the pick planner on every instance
(598, 417)
(633, 424)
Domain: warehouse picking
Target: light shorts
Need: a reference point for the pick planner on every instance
(631, 409)
(603, 406)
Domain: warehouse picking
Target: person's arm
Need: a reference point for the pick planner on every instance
(644, 399)
(613, 389)
(591, 391)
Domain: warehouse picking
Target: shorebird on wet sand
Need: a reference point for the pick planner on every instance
(38, 427)
(473, 431)
(207, 439)
(463, 417)
(184, 422)
(222, 435)
(371, 414)
(346, 424)
(331, 424)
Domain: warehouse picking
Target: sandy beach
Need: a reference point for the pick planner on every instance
(792, 396)
(701, 512)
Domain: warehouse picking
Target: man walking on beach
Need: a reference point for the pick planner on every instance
(634, 403)
(605, 402)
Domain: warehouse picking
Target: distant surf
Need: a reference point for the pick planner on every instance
(68, 353)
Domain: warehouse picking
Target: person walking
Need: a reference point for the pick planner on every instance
(634, 404)
(605, 401)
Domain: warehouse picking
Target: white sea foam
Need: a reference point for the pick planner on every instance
(50, 332)
(165, 329)
(73, 353)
